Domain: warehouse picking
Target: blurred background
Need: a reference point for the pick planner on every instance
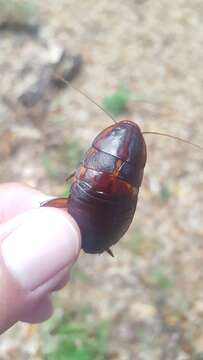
(141, 60)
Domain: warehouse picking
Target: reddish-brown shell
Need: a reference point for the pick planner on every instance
(104, 193)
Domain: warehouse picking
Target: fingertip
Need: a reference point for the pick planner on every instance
(47, 242)
(63, 218)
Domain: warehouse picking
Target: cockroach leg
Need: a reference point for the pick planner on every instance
(110, 252)
(60, 203)
(70, 176)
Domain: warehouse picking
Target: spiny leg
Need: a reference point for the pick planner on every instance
(70, 176)
(110, 252)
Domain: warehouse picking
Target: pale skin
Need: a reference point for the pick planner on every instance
(38, 247)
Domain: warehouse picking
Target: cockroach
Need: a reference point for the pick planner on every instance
(104, 192)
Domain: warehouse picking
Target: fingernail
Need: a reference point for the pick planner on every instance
(40, 247)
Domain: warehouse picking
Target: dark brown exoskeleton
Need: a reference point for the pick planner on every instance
(104, 192)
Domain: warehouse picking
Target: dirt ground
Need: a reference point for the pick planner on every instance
(151, 293)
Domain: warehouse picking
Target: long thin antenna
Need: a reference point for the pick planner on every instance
(173, 137)
(88, 97)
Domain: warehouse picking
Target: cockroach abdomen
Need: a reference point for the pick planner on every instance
(104, 193)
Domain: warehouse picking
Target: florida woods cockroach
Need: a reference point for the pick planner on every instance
(104, 192)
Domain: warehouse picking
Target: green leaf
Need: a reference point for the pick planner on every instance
(18, 10)
(72, 153)
(75, 339)
(117, 103)
(49, 166)
(161, 280)
(165, 192)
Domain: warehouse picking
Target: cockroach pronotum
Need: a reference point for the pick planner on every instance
(104, 192)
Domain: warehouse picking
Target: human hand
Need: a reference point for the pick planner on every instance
(38, 246)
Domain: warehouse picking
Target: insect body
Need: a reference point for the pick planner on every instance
(104, 192)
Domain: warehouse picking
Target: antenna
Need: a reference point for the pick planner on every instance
(173, 137)
(111, 117)
(85, 95)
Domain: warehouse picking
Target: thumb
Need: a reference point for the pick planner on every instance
(34, 248)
